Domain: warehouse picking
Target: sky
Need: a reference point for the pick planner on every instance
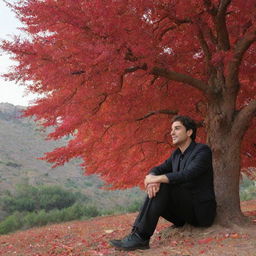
(10, 91)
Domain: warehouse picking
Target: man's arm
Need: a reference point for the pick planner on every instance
(155, 177)
(163, 168)
(151, 178)
(152, 183)
(198, 165)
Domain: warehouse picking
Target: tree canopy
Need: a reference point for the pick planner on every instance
(113, 72)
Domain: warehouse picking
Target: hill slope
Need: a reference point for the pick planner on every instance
(22, 142)
(88, 238)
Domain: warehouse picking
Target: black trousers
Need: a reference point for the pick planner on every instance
(173, 203)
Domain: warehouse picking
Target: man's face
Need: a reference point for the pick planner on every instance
(179, 133)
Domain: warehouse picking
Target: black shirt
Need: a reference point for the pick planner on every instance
(187, 152)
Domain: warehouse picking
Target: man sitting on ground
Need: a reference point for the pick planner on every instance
(180, 189)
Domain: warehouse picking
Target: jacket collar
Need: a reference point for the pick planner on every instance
(189, 149)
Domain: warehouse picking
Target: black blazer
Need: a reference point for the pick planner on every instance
(196, 175)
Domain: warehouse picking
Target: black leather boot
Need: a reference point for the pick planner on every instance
(131, 242)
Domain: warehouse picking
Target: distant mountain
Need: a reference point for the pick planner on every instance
(22, 142)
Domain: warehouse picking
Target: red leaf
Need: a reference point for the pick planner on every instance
(205, 240)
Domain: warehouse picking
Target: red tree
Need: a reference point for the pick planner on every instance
(113, 72)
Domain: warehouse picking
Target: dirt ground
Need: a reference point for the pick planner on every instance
(90, 237)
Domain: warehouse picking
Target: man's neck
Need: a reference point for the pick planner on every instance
(185, 145)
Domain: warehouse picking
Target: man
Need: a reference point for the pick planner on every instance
(180, 189)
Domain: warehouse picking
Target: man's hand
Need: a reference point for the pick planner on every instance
(150, 178)
(152, 189)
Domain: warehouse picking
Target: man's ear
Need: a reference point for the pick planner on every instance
(189, 132)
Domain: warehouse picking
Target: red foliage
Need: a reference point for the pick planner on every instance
(94, 63)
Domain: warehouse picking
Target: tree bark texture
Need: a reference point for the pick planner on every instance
(225, 146)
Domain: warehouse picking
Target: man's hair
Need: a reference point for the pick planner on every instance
(189, 124)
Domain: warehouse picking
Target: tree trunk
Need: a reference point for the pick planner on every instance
(226, 165)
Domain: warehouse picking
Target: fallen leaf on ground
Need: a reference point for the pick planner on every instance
(205, 241)
(109, 231)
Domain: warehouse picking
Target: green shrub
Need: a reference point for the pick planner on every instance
(41, 205)
(247, 189)
(31, 219)
(11, 223)
(90, 211)
(24, 199)
(41, 218)
(51, 197)
(29, 198)
(134, 207)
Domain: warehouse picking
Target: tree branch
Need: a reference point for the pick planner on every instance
(211, 8)
(166, 30)
(240, 49)
(221, 26)
(157, 23)
(153, 80)
(130, 56)
(130, 70)
(135, 68)
(177, 22)
(179, 77)
(243, 119)
(69, 97)
(162, 111)
(213, 37)
(78, 72)
(206, 50)
(97, 108)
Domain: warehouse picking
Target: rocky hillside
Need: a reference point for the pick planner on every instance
(22, 142)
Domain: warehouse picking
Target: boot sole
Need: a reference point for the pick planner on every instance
(120, 248)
